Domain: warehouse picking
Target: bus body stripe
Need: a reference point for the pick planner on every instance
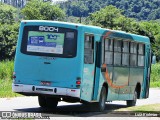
(107, 34)
(109, 81)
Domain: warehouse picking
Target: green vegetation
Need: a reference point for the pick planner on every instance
(8, 31)
(10, 18)
(152, 108)
(155, 75)
(111, 17)
(139, 9)
(6, 71)
(6, 89)
(37, 9)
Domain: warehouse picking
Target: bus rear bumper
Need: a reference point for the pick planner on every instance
(21, 88)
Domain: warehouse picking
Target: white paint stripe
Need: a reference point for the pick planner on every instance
(46, 90)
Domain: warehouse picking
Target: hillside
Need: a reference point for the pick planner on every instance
(139, 9)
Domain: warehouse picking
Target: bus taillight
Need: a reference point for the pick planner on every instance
(78, 82)
(14, 75)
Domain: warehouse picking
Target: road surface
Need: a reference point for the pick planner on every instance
(30, 104)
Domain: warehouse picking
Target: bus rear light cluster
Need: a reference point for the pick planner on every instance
(14, 75)
(78, 82)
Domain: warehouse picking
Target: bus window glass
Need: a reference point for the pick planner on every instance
(108, 51)
(117, 52)
(117, 58)
(45, 42)
(109, 44)
(133, 55)
(126, 46)
(102, 48)
(60, 42)
(133, 60)
(125, 55)
(88, 49)
(125, 59)
(140, 60)
(109, 57)
(117, 45)
(141, 55)
(141, 49)
(133, 48)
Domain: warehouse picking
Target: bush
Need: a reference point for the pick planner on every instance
(155, 73)
(8, 37)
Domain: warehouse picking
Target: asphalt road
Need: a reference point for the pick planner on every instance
(30, 104)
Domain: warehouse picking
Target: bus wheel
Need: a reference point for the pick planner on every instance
(51, 102)
(42, 101)
(101, 104)
(132, 102)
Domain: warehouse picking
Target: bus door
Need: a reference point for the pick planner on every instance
(89, 68)
(97, 71)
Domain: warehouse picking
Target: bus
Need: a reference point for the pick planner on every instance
(60, 61)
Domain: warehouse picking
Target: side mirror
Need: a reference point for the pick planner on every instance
(154, 59)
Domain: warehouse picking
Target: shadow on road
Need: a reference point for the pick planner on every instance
(79, 110)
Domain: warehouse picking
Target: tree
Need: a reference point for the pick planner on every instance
(106, 17)
(37, 9)
(8, 31)
(79, 9)
(111, 17)
(8, 40)
(7, 14)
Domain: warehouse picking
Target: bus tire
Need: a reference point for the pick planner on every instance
(42, 101)
(102, 100)
(51, 102)
(131, 103)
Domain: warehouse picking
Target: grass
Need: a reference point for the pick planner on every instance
(152, 108)
(6, 70)
(6, 89)
(155, 75)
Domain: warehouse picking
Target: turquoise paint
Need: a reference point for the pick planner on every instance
(87, 85)
(63, 72)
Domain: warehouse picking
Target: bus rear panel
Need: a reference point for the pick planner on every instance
(46, 60)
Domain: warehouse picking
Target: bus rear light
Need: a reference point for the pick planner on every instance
(78, 82)
(14, 75)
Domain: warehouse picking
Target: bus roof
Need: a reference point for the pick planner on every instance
(99, 30)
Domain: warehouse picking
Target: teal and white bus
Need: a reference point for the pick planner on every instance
(59, 61)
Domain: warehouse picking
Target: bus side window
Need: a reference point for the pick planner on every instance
(89, 49)
(125, 54)
(133, 51)
(108, 51)
(117, 52)
(141, 55)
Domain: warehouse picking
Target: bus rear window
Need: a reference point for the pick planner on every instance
(45, 42)
(57, 42)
